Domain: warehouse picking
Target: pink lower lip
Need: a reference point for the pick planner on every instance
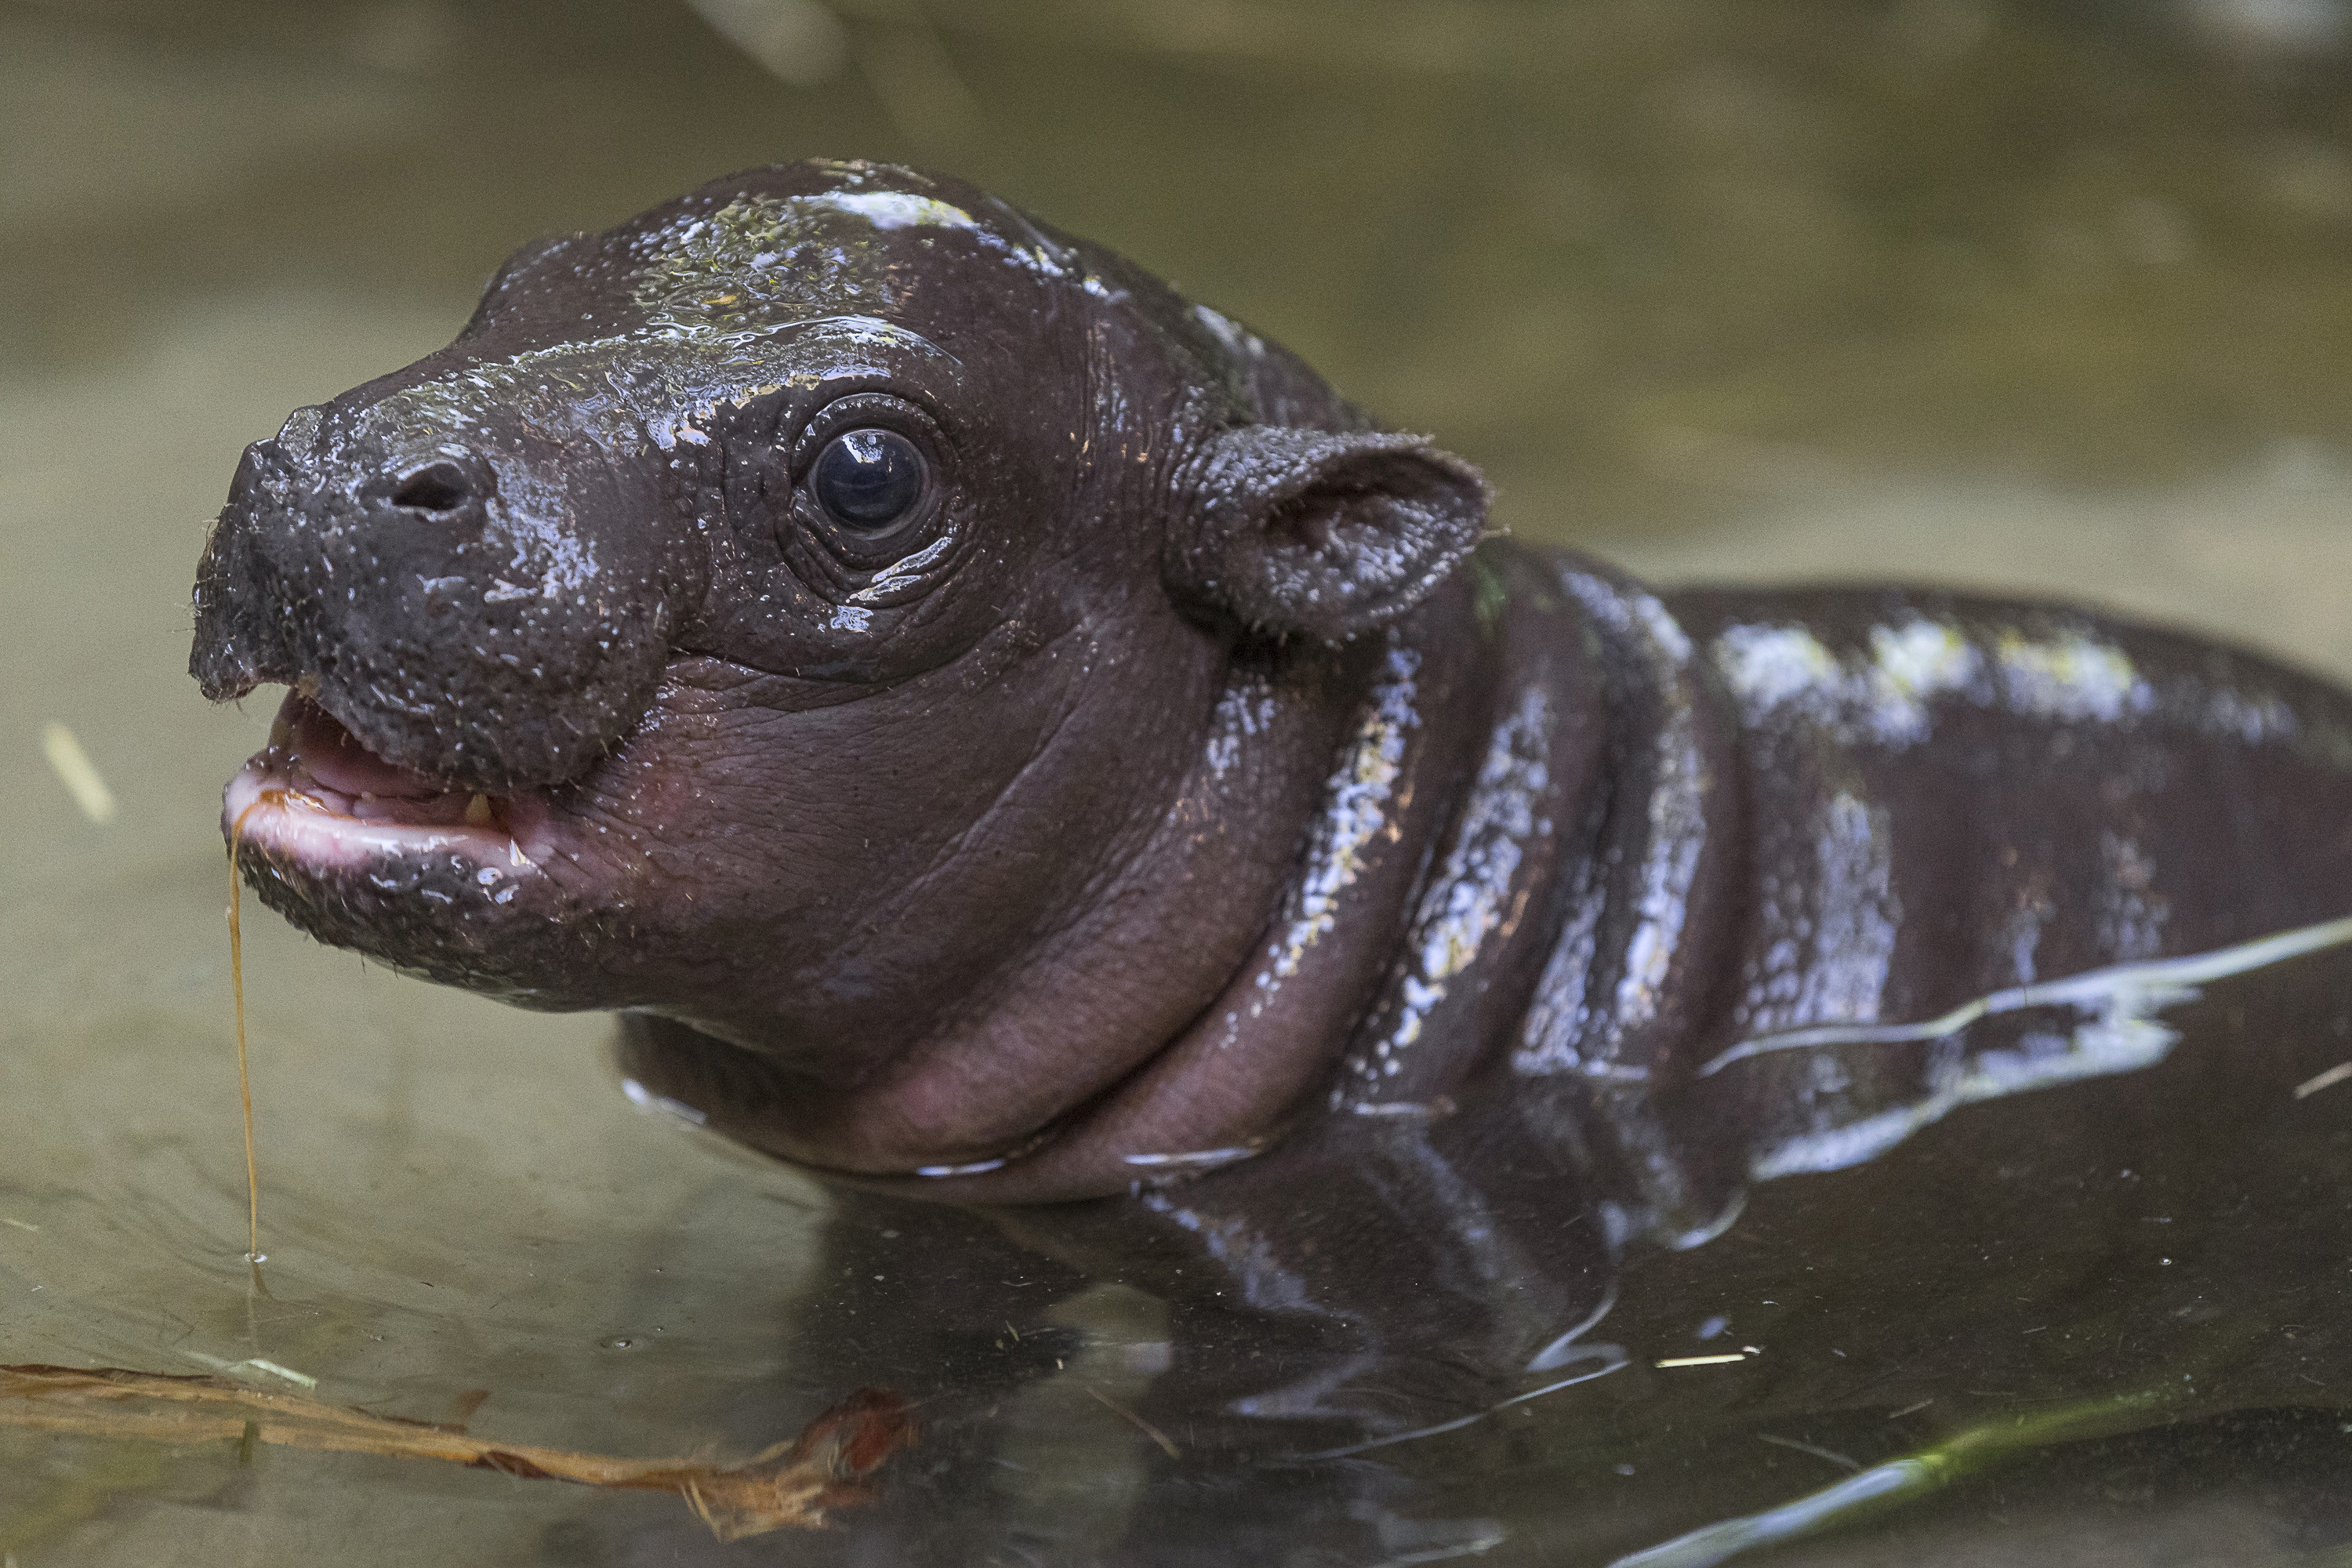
(318, 798)
(269, 814)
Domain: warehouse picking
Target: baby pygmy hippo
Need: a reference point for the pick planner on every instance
(998, 731)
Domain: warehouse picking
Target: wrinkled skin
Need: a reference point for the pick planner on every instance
(1183, 779)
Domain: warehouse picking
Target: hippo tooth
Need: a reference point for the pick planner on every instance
(477, 811)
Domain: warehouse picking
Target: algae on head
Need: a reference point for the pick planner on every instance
(716, 292)
(766, 261)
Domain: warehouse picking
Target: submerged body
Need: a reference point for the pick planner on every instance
(1652, 837)
(1000, 733)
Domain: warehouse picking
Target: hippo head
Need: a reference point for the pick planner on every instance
(808, 613)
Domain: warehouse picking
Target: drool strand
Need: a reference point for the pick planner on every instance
(253, 1254)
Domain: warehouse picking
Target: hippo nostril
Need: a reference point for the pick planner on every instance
(437, 487)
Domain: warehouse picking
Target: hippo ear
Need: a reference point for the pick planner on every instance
(1305, 532)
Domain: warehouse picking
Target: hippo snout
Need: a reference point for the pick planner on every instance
(494, 611)
(445, 485)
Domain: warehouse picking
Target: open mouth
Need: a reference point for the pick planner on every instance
(318, 796)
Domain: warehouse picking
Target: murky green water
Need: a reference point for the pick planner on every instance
(2041, 297)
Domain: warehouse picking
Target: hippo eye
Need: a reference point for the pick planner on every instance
(869, 479)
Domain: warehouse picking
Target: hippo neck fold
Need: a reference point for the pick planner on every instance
(1514, 823)
(1268, 891)
(1569, 943)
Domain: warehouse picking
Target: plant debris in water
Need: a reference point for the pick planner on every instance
(790, 1486)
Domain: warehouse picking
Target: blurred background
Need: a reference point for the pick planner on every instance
(2049, 297)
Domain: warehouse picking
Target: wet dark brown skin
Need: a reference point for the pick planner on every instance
(1176, 770)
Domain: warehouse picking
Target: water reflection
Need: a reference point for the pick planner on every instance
(1424, 1338)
